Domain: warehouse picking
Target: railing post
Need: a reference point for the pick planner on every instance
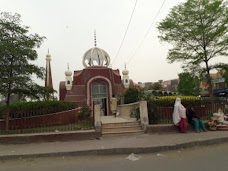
(7, 119)
(97, 117)
(143, 114)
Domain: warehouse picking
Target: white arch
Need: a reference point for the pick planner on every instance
(88, 88)
(90, 54)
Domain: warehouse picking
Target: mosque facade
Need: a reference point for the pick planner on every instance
(97, 83)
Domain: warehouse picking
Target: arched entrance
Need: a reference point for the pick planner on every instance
(99, 95)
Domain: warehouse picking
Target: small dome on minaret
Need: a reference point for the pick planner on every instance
(48, 56)
(126, 80)
(48, 75)
(125, 71)
(68, 72)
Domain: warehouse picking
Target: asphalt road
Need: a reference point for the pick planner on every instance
(209, 158)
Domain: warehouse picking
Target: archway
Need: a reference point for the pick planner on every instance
(100, 96)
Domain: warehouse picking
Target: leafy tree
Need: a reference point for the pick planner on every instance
(188, 84)
(43, 93)
(160, 93)
(197, 30)
(225, 75)
(132, 95)
(156, 86)
(17, 50)
(154, 93)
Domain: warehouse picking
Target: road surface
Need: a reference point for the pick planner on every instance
(211, 158)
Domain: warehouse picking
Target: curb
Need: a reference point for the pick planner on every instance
(112, 151)
(49, 137)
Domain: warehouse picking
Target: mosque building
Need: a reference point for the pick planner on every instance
(97, 83)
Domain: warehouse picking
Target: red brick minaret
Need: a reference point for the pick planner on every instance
(48, 77)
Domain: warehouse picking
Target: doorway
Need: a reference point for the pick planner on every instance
(99, 95)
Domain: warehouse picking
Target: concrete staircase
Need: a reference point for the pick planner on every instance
(121, 128)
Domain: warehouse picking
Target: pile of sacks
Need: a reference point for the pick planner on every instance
(218, 121)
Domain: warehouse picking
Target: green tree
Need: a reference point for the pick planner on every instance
(43, 93)
(188, 84)
(197, 30)
(132, 95)
(17, 50)
(225, 74)
(156, 86)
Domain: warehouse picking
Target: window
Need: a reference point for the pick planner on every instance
(99, 90)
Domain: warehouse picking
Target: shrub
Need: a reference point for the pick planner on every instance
(135, 113)
(84, 113)
(36, 108)
(132, 95)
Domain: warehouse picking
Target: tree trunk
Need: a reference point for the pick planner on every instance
(8, 109)
(7, 119)
(209, 81)
(8, 97)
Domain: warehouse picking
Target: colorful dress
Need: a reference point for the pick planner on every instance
(179, 115)
(195, 120)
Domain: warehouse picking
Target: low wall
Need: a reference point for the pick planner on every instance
(49, 137)
(162, 128)
(125, 109)
(60, 118)
(168, 128)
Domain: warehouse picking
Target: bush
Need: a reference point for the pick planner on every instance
(84, 113)
(36, 108)
(135, 113)
(132, 95)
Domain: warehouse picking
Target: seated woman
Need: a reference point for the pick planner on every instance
(179, 115)
(195, 120)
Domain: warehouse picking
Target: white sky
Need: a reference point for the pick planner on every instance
(69, 27)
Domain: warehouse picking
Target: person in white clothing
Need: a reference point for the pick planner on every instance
(179, 115)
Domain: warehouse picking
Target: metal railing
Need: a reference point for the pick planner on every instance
(160, 111)
(35, 121)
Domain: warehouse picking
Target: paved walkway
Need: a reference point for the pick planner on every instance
(113, 119)
(114, 144)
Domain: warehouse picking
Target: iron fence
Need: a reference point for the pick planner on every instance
(34, 121)
(160, 110)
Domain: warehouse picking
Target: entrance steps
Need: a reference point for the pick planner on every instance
(121, 128)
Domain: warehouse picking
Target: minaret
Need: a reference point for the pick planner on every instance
(126, 80)
(95, 39)
(48, 77)
(68, 80)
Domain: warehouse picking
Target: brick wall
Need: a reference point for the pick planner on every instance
(60, 118)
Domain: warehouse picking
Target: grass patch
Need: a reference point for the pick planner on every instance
(55, 128)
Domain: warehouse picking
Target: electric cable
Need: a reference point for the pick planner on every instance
(125, 31)
(146, 32)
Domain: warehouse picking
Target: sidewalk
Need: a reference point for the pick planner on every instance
(114, 144)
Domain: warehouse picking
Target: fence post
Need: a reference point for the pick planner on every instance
(143, 114)
(7, 119)
(97, 117)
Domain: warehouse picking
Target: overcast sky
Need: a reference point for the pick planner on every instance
(69, 27)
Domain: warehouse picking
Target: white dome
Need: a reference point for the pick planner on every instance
(68, 73)
(96, 57)
(125, 72)
(48, 56)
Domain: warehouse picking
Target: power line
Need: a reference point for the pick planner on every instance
(147, 32)
(125, 31)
